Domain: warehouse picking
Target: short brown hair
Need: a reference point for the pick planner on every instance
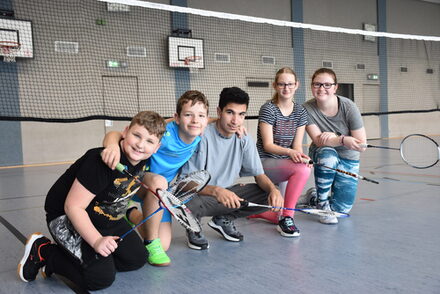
(152, 121)
(193, 96)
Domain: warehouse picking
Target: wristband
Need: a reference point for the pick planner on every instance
(342, 140)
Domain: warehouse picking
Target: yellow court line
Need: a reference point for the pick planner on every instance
(36, 165)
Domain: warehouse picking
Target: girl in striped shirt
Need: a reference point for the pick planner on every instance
(281, 128)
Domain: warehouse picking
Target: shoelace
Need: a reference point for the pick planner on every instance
(230, 224)
(289, 223)
(156, 249)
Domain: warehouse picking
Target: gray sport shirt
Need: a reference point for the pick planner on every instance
(348, 118)
(226, 159)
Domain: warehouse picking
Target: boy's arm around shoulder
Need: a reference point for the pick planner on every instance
(111, 154)
(75, 206)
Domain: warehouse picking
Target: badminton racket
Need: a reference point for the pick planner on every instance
(416, 150)
(314, 211)
(309, 161)
(177, 208)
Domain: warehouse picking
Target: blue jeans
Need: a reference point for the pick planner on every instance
(334, 188)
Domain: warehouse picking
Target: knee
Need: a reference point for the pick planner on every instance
(304, 171)
(155, 181)
(327, 156)
(104, 280)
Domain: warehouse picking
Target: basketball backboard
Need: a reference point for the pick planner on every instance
(14, 30)
(185, 52)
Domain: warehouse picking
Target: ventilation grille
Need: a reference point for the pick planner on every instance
(268, 60)
(222, 57)
(360, 66)
(136, 51)
(429, 71)
(403, 69)
(258, 84)
(116, 7)
(327, 64)
(66, 47)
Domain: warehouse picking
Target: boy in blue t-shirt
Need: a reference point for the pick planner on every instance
(177, 146)
(85, 210)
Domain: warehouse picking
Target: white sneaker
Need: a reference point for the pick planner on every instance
(328, 219)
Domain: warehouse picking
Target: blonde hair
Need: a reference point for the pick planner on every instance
(281, 71)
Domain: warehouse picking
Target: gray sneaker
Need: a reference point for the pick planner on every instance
(308, 199)
(196, 241)
(226, 227)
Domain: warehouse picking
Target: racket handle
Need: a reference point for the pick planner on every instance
(244, 203)
(306, 161)
(120, 167)
(363, 145)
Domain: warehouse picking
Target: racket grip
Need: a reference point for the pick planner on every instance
(244, 203)
(120, 167)
(363, 145)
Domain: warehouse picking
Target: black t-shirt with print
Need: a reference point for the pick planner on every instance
(112, 189)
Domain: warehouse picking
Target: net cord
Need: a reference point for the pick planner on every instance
(255, 19)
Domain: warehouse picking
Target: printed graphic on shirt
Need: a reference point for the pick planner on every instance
(123, 190)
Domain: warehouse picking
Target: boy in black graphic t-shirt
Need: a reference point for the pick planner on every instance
(85, 209)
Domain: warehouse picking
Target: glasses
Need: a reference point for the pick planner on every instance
(325, 85)
(283, 85)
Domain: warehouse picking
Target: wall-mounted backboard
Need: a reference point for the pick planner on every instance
(15, 30)
(185, 52)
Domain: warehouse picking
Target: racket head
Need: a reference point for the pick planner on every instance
(186, 187)
(419, 151)
(320, 212)
(179, 210)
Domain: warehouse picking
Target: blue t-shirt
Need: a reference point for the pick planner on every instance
(172, 153)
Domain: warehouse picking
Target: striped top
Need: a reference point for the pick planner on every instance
(284, 127)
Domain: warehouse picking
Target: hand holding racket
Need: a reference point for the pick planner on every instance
(416, 150)
(187, 186)
(313, 211)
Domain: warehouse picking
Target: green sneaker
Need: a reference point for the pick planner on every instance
(156, 255)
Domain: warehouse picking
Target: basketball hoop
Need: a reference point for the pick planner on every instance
(8, 49)
(190, 59)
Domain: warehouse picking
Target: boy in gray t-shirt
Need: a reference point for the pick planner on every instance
(227, 158)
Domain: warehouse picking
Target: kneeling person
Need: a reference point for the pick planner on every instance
(85, 209)
(227, 157)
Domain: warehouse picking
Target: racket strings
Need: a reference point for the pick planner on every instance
(179, 210)
(419, 151)
(185, 188)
